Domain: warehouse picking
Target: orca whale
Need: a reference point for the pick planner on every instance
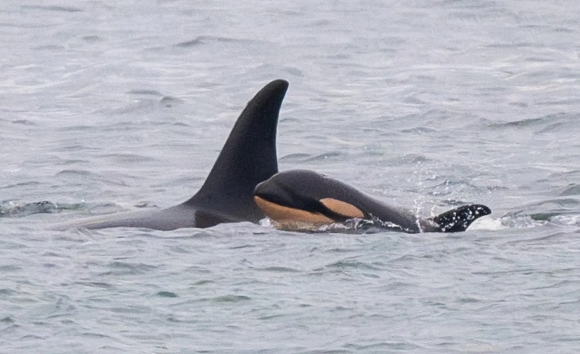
(300, 199)
(247, 158)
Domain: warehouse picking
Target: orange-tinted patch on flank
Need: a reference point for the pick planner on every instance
(342, 208)
(282, 214)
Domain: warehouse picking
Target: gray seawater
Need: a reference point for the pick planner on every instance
(115, 106)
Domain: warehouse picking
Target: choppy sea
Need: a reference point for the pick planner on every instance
(114, 106)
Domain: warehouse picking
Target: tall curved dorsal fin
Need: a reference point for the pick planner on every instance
(247, 158)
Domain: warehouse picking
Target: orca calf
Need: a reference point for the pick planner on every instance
(298, 198)
(247, 158)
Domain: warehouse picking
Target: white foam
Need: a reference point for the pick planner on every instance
(486, 223)
(573, 219)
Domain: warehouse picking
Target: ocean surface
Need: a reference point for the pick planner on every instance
(111, 106)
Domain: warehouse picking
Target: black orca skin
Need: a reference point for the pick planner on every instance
(309, 197)
(247, 158)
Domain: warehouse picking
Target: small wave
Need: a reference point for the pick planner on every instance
(168, 294)
(419, 130)
(536, 215)
(325, 156)
(345, 264)
(69, 9)
(122, 158)
(164, 101)
(23, 184)
(409, 159)
(522, 123)
(298, 157)
(226, 299)
(144, 92)
(558, 202)
(567, 219)
(91, 39)
(208, 39)
(293, 71)
(169, 101)
(572, 189)
(279, 269)
(24, 122)
(126, 268)
(73, 173)
(520, 221)
(541, 212)
(95, 284)
(22, 209)
(548, 124)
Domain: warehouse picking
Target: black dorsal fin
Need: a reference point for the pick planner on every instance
(459, 219)
(247, 158)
